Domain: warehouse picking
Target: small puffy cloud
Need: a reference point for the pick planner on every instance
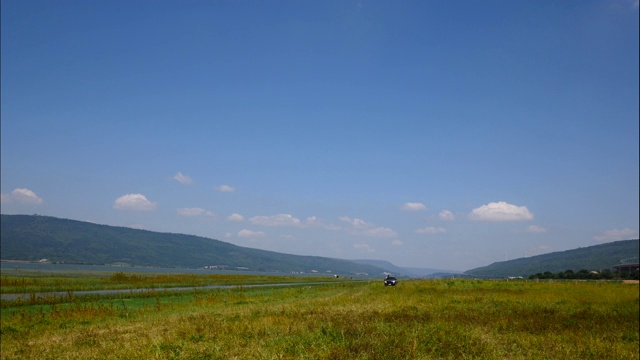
(235, 217)
(364, 247)
(362, 228)
(615, 234)
(431, 230)
(276, 220)
(22, 196)
(182, 179)
(225, 188)
(397, 242)
(188, 212)
(312, 221)
(134, 202)
(535, 229)
(315, 222)
(446, 215)
(245, 233)
(380, 232)
(413, 206)
(501, 211)
(354, 222)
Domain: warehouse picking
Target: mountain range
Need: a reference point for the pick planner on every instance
(35, 237)
(592, 258)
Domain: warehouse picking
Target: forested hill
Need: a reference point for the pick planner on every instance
(33, 237)
(592, 258)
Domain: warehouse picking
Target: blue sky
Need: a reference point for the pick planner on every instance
(432, 134)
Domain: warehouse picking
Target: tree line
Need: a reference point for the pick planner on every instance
(585, 274)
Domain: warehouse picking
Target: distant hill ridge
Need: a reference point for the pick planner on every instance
(34, 237)
(592, 258)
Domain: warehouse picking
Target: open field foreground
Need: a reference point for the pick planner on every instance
(418, 319)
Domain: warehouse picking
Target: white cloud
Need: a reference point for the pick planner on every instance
(276, 220)
(313, 221)
(235, 217)
(225, 188)
(183, 179)
(362, 228)
(535, 229)
(446, 215)
(134, 202)
(22, 196)
(191, 211)
(615, 234)
(187, 212)
(413, 206)
(245, 233)
(501, 211)
(380, 232)
(431, 230)
(363, 247)
(354, 222)
(397, 242)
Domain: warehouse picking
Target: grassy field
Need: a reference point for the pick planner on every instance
(25, 282)
(418, 319)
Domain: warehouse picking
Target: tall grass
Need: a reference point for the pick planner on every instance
(430, 319)
(38, 283)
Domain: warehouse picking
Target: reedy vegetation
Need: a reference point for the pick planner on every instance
(34, 282)
(418, 319)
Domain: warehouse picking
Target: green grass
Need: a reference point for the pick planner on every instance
(426, 319)
(35, 282)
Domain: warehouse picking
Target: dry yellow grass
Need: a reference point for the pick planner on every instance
(433, 319)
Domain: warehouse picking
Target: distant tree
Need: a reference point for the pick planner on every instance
(594, 275)
(606, 274)
(582, 274)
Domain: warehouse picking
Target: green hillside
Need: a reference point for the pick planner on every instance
(597, 258)
(33, 237)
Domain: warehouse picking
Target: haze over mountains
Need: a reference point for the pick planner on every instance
(33, 238)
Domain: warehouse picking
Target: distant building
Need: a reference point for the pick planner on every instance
(627, 268)
(216, 267)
